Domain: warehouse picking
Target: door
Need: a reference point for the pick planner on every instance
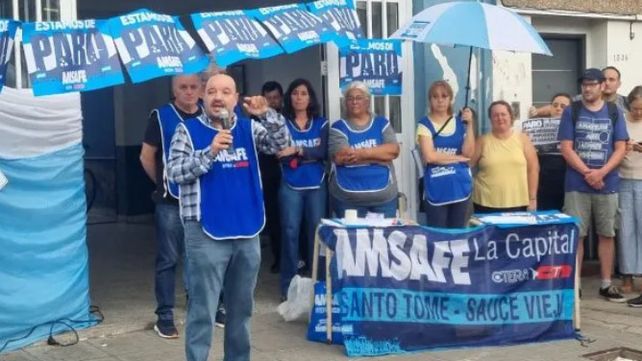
(379, 19)
(559, 73)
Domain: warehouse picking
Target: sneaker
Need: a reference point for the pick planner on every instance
(166, 329)
(635, 302)
(612, 294)
(219, 319)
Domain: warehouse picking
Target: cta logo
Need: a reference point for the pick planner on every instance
(552, 272)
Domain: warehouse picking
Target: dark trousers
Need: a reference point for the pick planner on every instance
(452, 215)
(271, 180)
(550, 192)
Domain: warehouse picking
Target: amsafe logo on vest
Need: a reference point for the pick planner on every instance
(237, 158)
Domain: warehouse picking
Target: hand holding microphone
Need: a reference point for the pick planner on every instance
(223, 140)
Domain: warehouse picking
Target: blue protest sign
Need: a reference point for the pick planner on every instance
(293, 26)
(317, 328)
(342, 17)
(7, 34)
(410, 288)
(70, 56)
(232, 36)
(152, 45)
(374, 62)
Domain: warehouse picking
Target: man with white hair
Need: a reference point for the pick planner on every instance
(169, 231)
(213, 158)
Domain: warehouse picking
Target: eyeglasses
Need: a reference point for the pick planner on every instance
(357, 99)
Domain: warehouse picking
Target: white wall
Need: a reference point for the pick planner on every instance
(625, 53)
(512, 81)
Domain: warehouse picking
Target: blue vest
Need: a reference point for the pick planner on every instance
(363, 178)
(447, 183)
(309, 174)
(231, 199)
(168, 119)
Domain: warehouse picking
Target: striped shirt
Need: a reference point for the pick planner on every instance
(187, 164)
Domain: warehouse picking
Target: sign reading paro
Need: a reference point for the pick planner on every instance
(70, 56)
(294, 27)
(152, 45)
(374, 62)
(233, 36)
(342, 16)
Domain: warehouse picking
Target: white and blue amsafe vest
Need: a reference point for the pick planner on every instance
(308, 174)
(447, 183)
(363, 178)
(231, 199)
(168, 119)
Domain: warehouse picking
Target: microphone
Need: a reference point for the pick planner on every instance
(224, 116)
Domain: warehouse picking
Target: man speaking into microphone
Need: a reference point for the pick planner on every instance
(213, 158)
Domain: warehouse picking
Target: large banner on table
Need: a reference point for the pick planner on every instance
(152, 45)
(70, 56)
(7, 35)
(232, 36)
(342, 16)
(294, 27)
(373, 61)
(410, 288)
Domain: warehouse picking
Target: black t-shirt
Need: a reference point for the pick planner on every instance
(153, 138)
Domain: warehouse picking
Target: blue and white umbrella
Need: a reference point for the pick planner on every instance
(473, 24)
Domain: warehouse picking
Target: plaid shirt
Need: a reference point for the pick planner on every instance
(186, 165)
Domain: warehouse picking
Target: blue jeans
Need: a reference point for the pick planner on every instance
(296, 205)
(388, 209)
(170, 248)
(228, 265)
(447, 216)
(630, 235)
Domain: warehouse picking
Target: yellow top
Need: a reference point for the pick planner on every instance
(501, 180)
(449, 129)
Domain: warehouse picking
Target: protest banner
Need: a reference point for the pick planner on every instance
(342, 16)
(543, 133)
(374, 62)
(152, 45)
(8, 30)
(232, 36)
(70, 56)
(294, 27)
(408, 288)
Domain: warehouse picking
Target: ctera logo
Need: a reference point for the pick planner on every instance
(511, 276)
(552, 272)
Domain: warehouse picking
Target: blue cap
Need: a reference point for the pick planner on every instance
(592, 74)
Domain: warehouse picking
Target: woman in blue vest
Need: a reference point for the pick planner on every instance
(303, 193)
(362, 147)
(446, 142)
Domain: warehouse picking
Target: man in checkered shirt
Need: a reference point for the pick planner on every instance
(222, 210)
